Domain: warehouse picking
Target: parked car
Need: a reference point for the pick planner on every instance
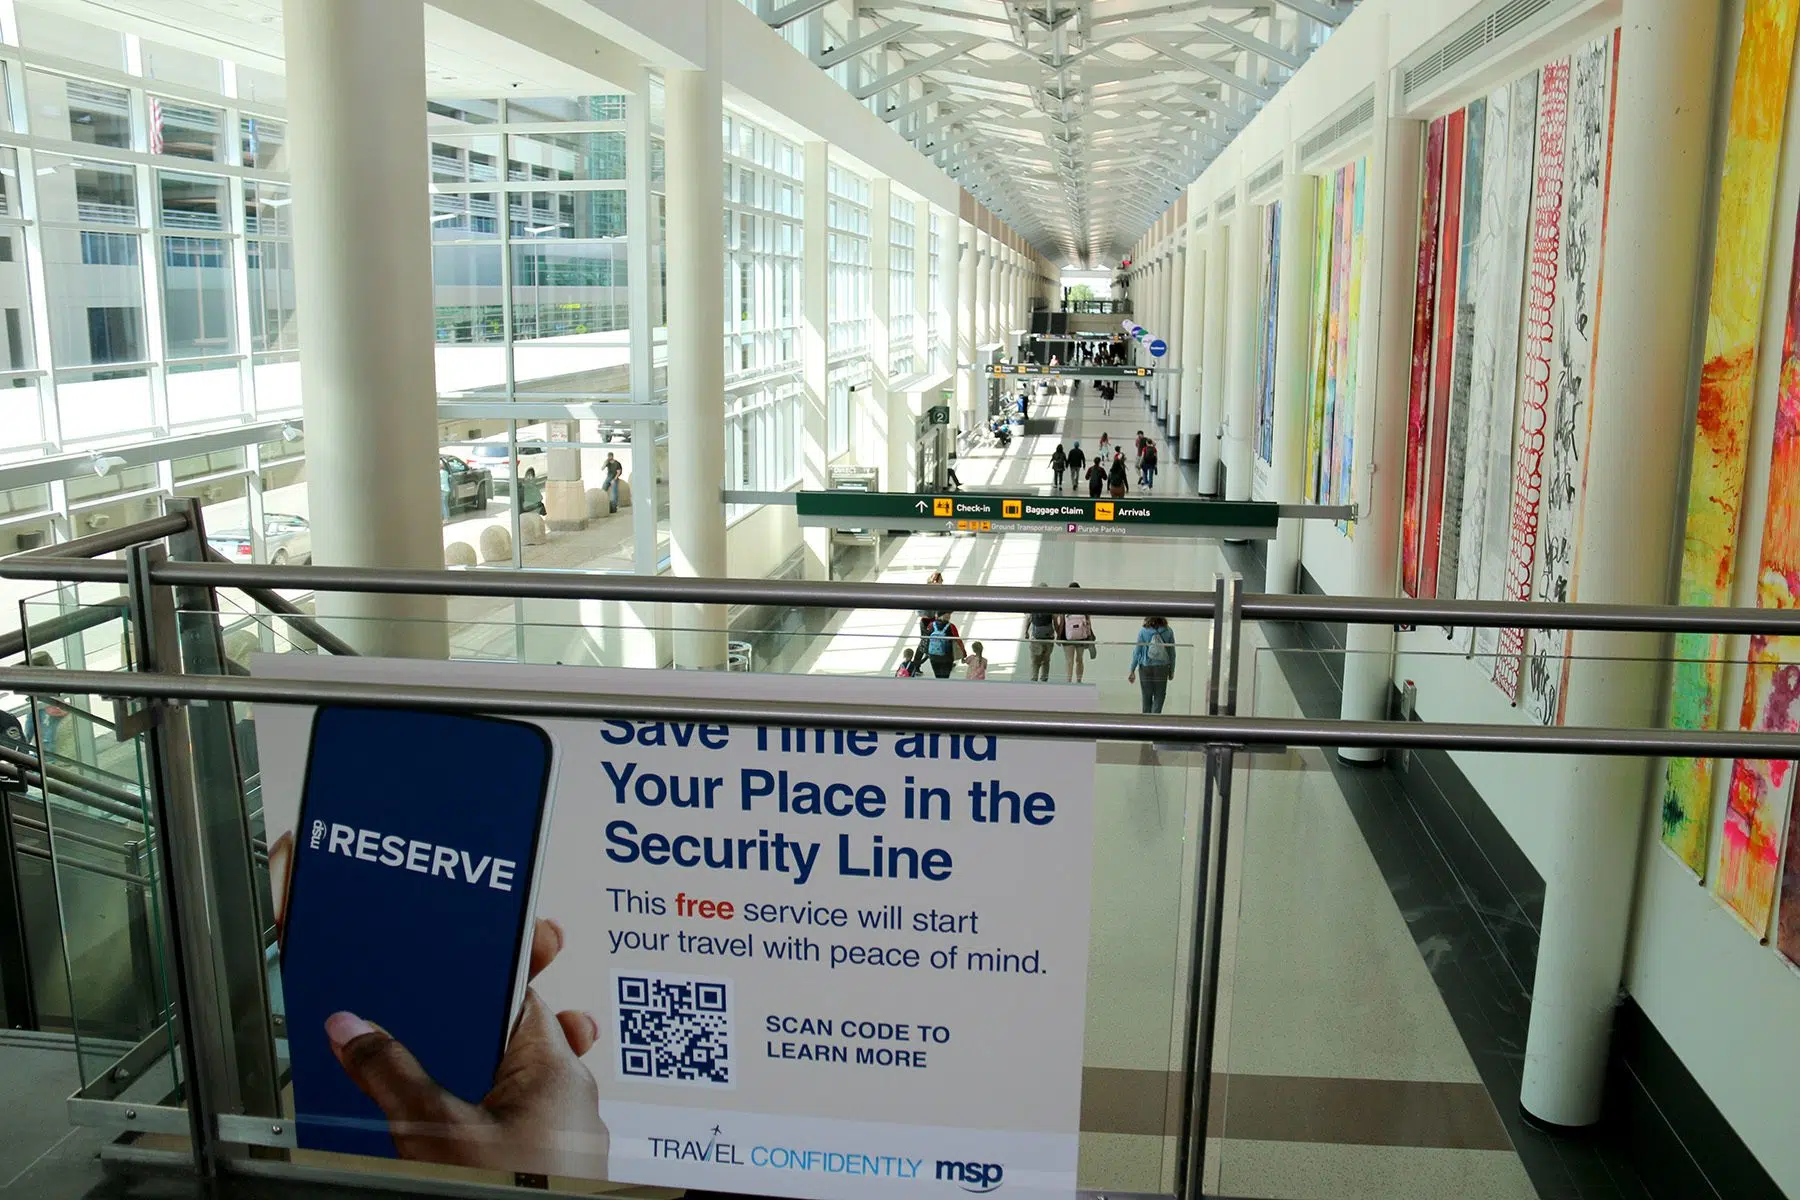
(286, 539)
(505, 466)
(462, 487)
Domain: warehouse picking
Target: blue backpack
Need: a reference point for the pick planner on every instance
(938, 644)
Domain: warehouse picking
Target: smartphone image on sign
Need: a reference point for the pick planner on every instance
(410, 903)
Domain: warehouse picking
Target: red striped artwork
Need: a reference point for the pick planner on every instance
(1443, 352)
(1534, 362)
(1424, 312)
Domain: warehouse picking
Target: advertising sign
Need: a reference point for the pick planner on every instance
(728, 956)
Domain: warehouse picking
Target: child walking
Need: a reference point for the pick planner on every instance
(976, 662)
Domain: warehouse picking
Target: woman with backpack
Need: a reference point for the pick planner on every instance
(1153, 662)
(1116, 479)
(1059, 462)
(1077, 637)
(1096, 477)
(941, 644)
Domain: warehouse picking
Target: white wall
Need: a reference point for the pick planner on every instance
(761, 542)
(1725, 1003)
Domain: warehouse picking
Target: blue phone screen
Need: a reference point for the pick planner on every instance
(407, 902)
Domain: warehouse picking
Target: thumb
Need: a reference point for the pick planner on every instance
(417, 1108)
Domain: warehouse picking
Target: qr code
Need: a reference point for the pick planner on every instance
(674, 1028)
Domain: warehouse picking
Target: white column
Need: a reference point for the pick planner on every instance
(1240, 352)
(362, 270)
(1393, 217)
(1637, 444)
(984, 292)
(1292, 391)
(1193, 349)
(694, 154)
(968, 391)
(815, 359)
(645, 309)
(1212, 384)
(1168, 323)
(1169, 387)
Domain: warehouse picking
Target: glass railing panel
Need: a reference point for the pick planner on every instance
(1146, 801)
(88, 815)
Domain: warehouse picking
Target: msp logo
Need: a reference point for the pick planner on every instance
(972, 1176)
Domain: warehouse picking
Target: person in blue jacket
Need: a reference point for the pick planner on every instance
(1153, 662)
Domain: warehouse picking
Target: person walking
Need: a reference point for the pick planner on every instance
(1105, 446)
(1096, 477)
(1150, 464)
(1059, 462)
(976, 664)
(1153, 662)
(1116, 478)
(943, 645)
(1077, 464)
(1106, 399)
(1040, 634)
(1077, 635)
(613, 469)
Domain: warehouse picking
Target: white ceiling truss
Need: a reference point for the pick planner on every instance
(1076, 121)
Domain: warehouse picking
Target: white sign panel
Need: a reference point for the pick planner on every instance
(786, 961)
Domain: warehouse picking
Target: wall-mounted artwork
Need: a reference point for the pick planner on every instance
(1269, 300)
(1746, 207)
(1341, 250)
(1462, 359)
(1508, 151)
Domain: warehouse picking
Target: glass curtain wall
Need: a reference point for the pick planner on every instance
(902, 280)
(935, 345)
(763, 263)
(850, 290)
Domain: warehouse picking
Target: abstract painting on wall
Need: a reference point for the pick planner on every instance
(1507, 152)
(1269, 299)
(1462, 364)
(1585, 188)
(1443, 354)
(1357, 220)
(1412, 512)
(1728, 373)
(1760, 791)
(1532, 410)
(1318, 339)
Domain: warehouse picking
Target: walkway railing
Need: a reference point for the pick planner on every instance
(177, 697)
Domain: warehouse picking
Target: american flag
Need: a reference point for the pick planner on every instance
(156, 126)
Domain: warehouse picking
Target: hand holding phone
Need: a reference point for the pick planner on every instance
(495, 1083)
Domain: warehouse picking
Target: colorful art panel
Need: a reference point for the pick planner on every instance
(1345, 487)
(1537, 347)
(1462, 365)
(1334, 338)
(1760, 794)
(1412, 514)
(1443, 353)
(1489, 502)
(1317, 370)
(1759, 94)
(1265, 333)
(1572, 396)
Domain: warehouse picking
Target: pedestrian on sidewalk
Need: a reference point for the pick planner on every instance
(1059, 462)
(1116, 478)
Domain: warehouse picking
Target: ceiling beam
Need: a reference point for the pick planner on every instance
(1252, 43)
(918, 67)
(1230, 79)
(924, 100)
(788, 13)
(1323, 13)
(862, 45)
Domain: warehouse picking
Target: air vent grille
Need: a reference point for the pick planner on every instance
(1355, 119)
(1481, 32)
(1266, 178)
(1226, 206)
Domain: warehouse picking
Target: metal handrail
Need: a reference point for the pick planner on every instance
(578, 585)
(1189, 731)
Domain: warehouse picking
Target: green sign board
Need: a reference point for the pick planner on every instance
(971, 512)
(1002, 370)
(938, 414)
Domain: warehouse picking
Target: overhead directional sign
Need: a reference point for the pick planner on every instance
(998, 370)
(971, 512)
(1158, 348)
